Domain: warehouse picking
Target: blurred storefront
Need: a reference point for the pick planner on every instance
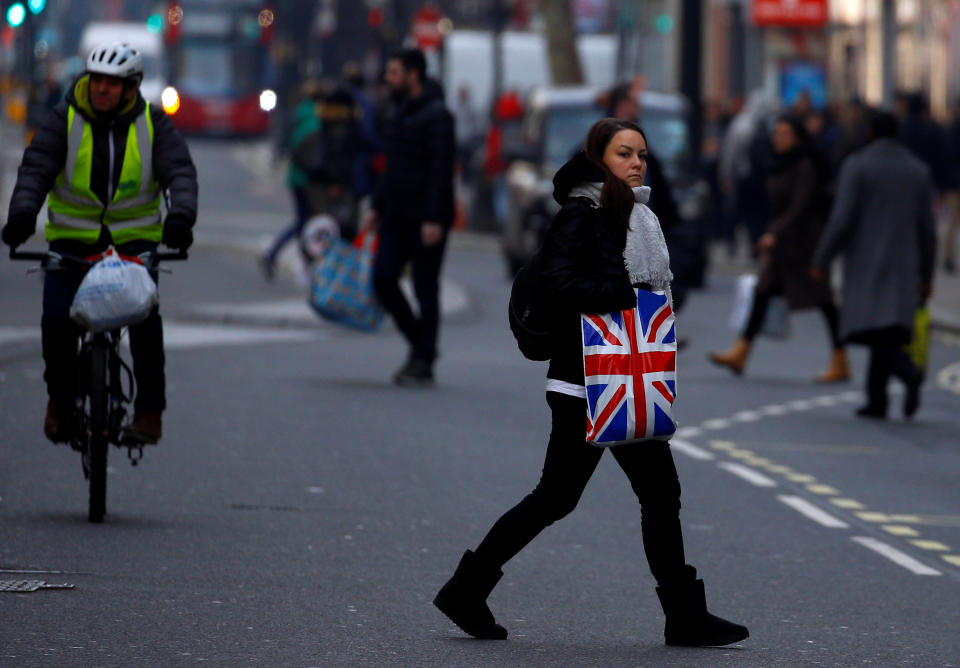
(833, 49)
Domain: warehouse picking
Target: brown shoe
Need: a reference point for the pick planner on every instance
(58, 422)
(838, 370)
(145, 428)
(734, 359)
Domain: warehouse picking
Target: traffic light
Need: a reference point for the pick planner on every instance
(16, 14)
(155, 23)
(36, 6)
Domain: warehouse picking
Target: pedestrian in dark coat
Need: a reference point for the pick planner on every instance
(798, 201)
(882, 223)
(413, 207)
(603, 240)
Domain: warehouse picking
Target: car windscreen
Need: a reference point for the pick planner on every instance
(566, 128)
(564, 131)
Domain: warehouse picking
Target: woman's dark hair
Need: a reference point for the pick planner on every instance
(616, 197)
(798, 126)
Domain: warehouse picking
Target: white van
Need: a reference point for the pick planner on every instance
(468, 61)
(149, 44)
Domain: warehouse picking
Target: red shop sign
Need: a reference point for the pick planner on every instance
(792, 13)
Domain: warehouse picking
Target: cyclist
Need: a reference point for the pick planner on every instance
(103, 158)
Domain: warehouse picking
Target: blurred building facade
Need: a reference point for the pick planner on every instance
(864, 49)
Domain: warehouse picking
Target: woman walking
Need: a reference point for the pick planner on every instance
(798, 207)
(602, 242)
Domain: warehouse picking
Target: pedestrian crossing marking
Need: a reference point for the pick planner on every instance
(826, 490)
(951, 559)
(780, 469)
(931, 545)
(800, 477)
(874, 517)
(899, 530)
(722, 445)
(849, 504)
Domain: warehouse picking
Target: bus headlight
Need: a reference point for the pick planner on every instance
(170, 100)
(268, 100)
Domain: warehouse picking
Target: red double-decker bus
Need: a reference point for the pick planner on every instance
(218, 66)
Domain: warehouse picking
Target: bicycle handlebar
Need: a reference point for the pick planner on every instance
(151, 258)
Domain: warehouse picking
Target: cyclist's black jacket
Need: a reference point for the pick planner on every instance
(417, 138)
(44, 158)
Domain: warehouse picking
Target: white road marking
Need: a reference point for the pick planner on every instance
(689, 432)
(747, 416)
(13, 334)
(774, 410)
(800, 404)
(948, 378)
(896, 556)
(689, 449)
(748, 474)
(716, 423)
(180, 336)
(806, 508)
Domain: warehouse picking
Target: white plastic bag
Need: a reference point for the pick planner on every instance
(114, 293)
(776, 322)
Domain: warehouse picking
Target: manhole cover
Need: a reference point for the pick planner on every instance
(30, 585)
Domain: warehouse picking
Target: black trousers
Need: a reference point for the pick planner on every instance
(761, 302)
(60, 335)
(400, 243)
(888, 358)
(569, 463)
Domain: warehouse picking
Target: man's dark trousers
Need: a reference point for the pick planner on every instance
(400, 243)
(60, 334)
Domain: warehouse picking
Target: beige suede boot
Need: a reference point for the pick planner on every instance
(734, 359)
(838, 370)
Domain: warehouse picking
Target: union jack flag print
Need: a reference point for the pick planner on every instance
(630, 367)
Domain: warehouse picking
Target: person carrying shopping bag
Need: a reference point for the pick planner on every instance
(602, 244)
(798, 207)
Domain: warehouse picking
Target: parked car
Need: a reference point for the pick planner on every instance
(555, 125)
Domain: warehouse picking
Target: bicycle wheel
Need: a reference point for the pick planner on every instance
(99, 429)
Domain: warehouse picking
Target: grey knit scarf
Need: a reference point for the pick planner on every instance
(645, 255)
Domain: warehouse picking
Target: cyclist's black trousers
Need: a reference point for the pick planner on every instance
(60, 335)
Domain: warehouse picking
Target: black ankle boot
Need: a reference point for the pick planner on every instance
(688, 622)
(464, 598)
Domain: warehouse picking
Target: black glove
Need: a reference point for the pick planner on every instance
(177, 233)
(18, 229)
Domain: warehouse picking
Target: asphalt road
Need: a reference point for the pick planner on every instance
(302, 511)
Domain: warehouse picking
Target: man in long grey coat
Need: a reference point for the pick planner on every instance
(882, 222)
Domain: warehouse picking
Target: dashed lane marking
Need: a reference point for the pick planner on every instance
(896, 556)
(690, 449)
(900, 530)
(748, 474)
(948, 378)
(934, 545)
(812, 512)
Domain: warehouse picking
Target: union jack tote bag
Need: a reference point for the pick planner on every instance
(630, 368)
(341, 284)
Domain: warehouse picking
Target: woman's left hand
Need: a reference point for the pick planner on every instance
(767, 242)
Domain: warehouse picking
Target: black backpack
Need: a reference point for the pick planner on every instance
(530, 315)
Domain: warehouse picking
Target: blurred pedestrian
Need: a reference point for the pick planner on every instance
(469, 131)
(603, 240)
(305, 124)
(952, 197)
(508, 111)
(413, 208)
(797, 195)
(882, 223)
(745, 156)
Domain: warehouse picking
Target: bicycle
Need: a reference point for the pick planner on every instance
(101, 399)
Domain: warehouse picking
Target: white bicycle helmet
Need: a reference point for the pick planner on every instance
(117, 59)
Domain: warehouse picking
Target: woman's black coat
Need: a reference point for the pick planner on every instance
(582, 266)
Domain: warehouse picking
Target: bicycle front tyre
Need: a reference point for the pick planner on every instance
(99, 427)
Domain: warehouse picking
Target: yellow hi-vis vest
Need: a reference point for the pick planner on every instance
(133, 212)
